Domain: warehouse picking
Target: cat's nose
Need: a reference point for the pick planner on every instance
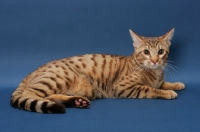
(154, 61)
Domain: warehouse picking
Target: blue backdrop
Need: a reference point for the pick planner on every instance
(35, 32)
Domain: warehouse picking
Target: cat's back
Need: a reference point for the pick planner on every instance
(96, 65)
(89, 61)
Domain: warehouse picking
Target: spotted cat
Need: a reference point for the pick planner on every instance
(74, 81)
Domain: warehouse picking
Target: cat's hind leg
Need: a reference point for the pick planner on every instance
(70, 101)
(172, 86)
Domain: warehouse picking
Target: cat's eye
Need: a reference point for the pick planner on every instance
(161, 51)
(146, 52)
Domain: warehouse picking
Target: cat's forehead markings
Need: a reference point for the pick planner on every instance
(152, 42)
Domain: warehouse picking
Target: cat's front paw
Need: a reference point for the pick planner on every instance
(170, 94)
(179, 86)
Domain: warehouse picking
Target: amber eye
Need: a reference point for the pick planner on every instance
(146, 52)
(161, 51)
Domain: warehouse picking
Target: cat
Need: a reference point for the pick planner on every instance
(74, 81)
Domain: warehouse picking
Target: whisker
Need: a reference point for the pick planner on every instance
(169, 61)
(168, 72)
(170, 68)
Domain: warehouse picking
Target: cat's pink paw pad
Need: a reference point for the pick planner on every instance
(82, 103)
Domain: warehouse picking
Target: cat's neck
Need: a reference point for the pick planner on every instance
(158, 71)
(133, 62)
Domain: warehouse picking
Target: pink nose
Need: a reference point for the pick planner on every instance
(154, 61)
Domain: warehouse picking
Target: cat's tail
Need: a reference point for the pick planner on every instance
(34, 103)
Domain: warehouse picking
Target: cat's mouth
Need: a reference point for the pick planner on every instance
(153, 65)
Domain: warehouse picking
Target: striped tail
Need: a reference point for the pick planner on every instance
(34, 104)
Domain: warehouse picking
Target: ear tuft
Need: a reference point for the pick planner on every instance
(168, 36)
(136, 38)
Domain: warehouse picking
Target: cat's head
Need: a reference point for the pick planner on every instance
(151, 52)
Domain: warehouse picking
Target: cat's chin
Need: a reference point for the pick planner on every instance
(153, 67)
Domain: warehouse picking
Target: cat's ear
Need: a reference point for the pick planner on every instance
(168, 36)
(137, 40)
